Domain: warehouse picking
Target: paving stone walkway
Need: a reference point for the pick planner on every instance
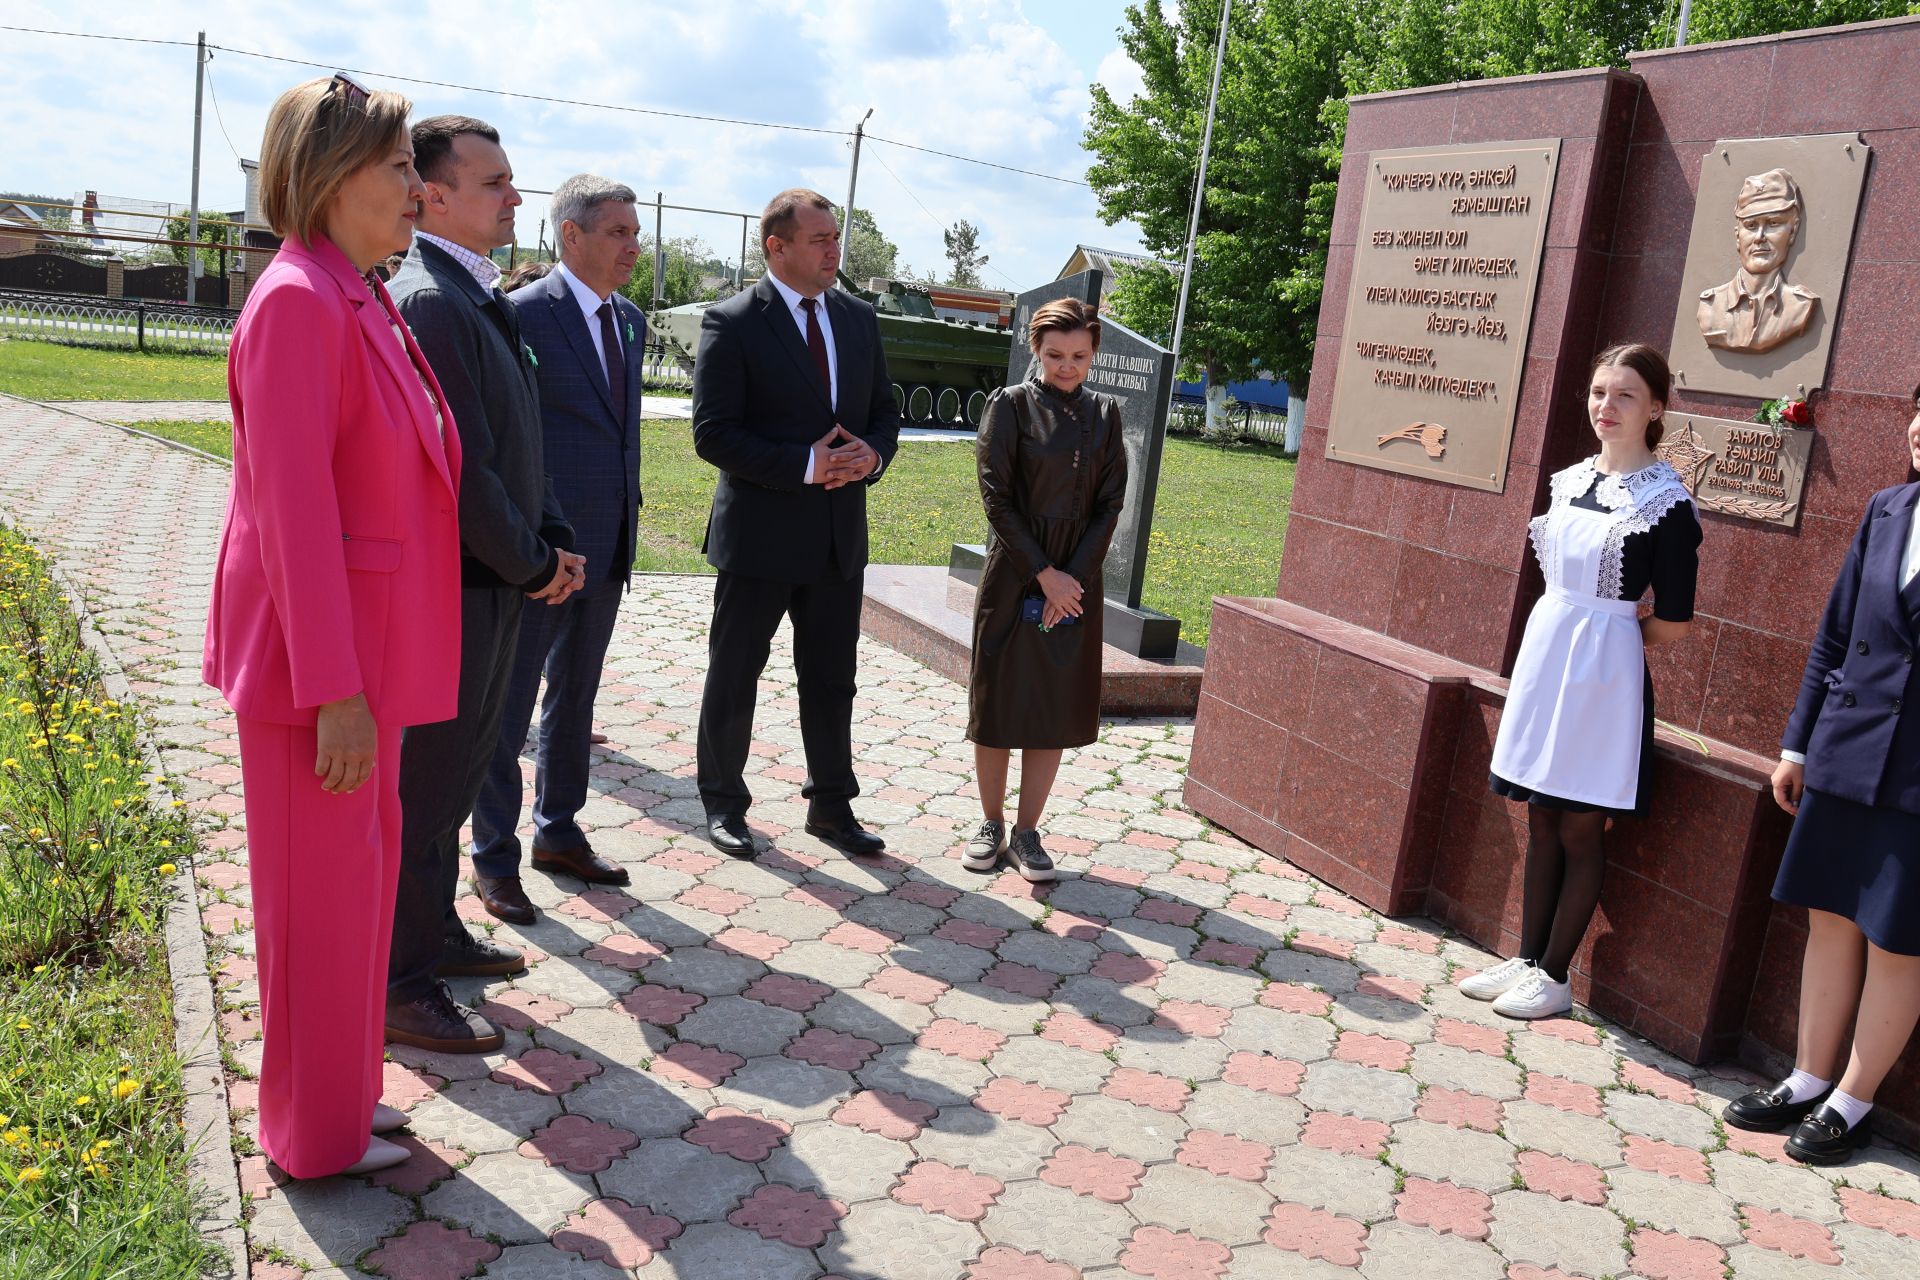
(1185, 1060)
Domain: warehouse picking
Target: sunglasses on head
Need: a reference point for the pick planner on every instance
(349, 90)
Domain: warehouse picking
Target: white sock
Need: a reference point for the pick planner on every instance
(1850, 1108)
(1802, 1085)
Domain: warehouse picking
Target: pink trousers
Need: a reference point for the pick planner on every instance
(323, 869)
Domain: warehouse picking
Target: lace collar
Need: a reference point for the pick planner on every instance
(1636, 488)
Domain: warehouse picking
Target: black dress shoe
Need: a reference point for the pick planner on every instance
(1768, 1110)
(847, 835)
(728, 833)
(580, 861)
(505, 899)
(436, 1023)
(469, 957)
(1823, 1137)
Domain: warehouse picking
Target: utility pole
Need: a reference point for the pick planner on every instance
(740, 276)
(853, 182)
(659, 253)
(1680, 28)
(193, 198)
(1200, 182)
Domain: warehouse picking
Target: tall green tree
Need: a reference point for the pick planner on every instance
(687, 258)
(1737, 19)
(963, 252)
(217, 231)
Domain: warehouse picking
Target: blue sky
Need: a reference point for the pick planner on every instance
(1000, 79)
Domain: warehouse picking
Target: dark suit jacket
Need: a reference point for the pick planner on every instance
(593, 445)
(758, 406)
(510, 523)
(1856, 720)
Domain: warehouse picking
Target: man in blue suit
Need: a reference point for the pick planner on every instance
(587, 342)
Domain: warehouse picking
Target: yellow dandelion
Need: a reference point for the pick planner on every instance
(23, 1025)
(126, 1089)
(9, 763)
(167, 868)
(84, 1100)
(29, 1174)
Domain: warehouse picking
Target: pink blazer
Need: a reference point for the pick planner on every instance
(339, 568)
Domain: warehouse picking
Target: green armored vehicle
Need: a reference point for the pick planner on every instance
(943, 370)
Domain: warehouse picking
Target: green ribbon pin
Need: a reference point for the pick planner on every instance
(629, 331)
(531, 358)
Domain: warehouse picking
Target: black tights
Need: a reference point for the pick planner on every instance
(1565, 864)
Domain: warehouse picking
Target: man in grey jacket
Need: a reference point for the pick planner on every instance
(514, 548)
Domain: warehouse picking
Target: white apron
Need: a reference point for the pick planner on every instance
(1574, 717)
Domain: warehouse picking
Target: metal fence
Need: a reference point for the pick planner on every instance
(115, 322)
(1188, 417)
(661, 368)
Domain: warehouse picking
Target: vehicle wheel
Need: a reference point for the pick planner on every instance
(919, 404)
(946, 406)
(900, 397)
(976, 408)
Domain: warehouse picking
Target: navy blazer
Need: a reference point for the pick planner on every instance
(592, 444)
(1856, 721)
(758, 405)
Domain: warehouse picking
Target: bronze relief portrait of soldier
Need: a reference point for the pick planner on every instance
(1760, 308)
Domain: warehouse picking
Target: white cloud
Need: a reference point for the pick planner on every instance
(1121, 75)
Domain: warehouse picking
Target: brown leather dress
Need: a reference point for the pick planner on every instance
(1053, 478)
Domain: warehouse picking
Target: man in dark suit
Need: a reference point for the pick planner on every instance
(513, 544)
(588, 341)
(792, 403)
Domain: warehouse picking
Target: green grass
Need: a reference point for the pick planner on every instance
(51, 371)
(213, 436)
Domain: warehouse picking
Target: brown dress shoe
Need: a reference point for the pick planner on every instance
(504, 899)
(436, 1023)
(582, 862)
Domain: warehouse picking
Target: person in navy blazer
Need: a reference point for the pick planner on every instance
(587, 343)
(1850, 773)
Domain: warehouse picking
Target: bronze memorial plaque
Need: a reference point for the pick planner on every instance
(1772, 229)
(1746, 469)
(1436, 335)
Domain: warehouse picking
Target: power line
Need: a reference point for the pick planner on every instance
(991, 164)
(218, 119)
(933, 217)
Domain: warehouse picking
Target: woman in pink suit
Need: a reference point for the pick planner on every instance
(336, 607)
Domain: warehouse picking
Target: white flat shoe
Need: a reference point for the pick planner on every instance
(1537, 996)
(381, 1154)
(386, 1119)
(1489, 984)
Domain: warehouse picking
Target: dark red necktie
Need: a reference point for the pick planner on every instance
(817, 343)
(616, 359)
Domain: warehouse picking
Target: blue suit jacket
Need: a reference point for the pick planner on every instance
(592, 444)
(1856, 719)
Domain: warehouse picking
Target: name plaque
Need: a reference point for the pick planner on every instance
(1747, 469)
(1438, 312)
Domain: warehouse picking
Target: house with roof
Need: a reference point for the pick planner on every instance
(23, 230)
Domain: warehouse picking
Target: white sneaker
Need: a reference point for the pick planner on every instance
(1536, 996)
(1497, 981)
(386, 1119)
(380, 1154)
(984, 850)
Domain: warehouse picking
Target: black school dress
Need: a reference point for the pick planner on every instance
(1053, 478)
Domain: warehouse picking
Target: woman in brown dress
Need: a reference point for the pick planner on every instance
(1053, 477)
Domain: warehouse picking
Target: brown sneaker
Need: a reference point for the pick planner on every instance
(470, 957)
(437, 1023)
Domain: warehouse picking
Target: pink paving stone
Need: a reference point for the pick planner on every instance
(278, 1271)
(1098, 1174)
(1566, 1029)
(624, 951)
(403, 1087)
(711, 897)
(1320, 945)
(579, 1144)
(971, 933)
(824, 1047)
(1148, 840)
(1019, 1100)
(890, 1115)
(1160, 1254)
(786, 991)
(1372, 1051)
(1666, 1255)
(1766, 1146)
(1565, 1094)
(1881, 1212)
(1004, 1262)
(1458, 1109)
(1128, 970)
(617, 1233)
(1345, 1135)
(1070, 924)
(661, 1006)
(1237, 955)
(702, 1066)
(431, 1251)
(547, 1071)
(1405, 990)
(1146, 1089)
(1190, 1017)
(937, 896)
(241, 1025)
(224, 840)
(1470, 1036)
(223, 803)
(1225, 1155)
(1409, 939)
(259, 1177)
(860, 937)
(1012, 885)
(429, 1163)
(1315, 1233)
(223, 918)
(1069, 844)
(1165, 911)
(798, 861)
(243, 1095)
(1252, 904)
(1527, 1271)
(1338, 903)
(220, 775)
(1021, 980)
(948, 1191)
(1795, 1237)
(959, 1039)
(1201, 871)
(750, 942)
(821, 895)
(524, 1010)
(1268, 1074)
(1444, 1207)
(1652, 1080)
(905, 984)
(1077, 1031)
(729, 1131)
(789, 1215)
(1125, 877)
(1665, 1158)
(602, 906)
(688, 861)
(468, 908)
(1290, 997)
(1562, 1178)
(221, 875)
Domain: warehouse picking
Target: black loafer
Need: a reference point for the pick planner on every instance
(1823, 1138)
(728, 833)
(848, 836)
(1768, 1111)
